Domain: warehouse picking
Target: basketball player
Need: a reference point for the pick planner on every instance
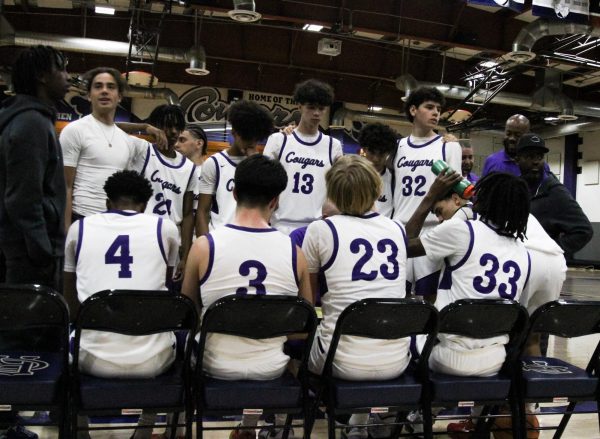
(412, 168)
(483, 259)
(172, 176)
(362, 255)
(378, 142)
(193, 144)
(247, 256)
(122, 248)
(306, 155)
(250, 123)
(94, 147)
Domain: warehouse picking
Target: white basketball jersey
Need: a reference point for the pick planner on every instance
(306, 164)
(122, 250)
(385, 203)
(494, 267)
(247, 261)
(223, 204)
(170, 179)
(412, 169)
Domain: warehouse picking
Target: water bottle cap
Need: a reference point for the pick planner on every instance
(469, 191)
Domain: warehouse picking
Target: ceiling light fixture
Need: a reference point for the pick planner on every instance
(312, 27)
(375, 108)
(106, 10)
(488, 64)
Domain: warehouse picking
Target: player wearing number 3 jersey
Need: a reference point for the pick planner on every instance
(247, 256)
(121, 248)
(306, 155)
(484, 259)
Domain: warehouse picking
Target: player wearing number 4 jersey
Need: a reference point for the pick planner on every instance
(412, 167)
(121, 249)
(484, 259)
(363, 255)
(306, 155)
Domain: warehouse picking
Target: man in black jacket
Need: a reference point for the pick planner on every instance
(551, 203)
(32, 182)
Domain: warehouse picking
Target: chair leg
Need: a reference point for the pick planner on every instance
(287, 428)
(565, 420)
(518, 416)
(199, 421)
(481, 424)
(330, 424)
(174, 422)
(427, 421)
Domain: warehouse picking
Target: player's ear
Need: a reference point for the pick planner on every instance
(274, 203)
(234, 192)
(142, 207)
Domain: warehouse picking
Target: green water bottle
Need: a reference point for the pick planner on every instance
(464, 188)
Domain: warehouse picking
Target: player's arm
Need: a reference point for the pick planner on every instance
(207, 187)
(454, 155)
(574, 226)
(195, 269)
(336, 150)
(69, 274)
(305, 290)
(440, 186)
(159, 136)
(187, 232)
(415, 248)
(203, 214)
(69, 180)
(273, 145)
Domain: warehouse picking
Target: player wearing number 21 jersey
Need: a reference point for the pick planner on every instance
(121, 249)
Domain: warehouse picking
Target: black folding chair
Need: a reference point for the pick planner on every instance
(388, 319)
(255, 317)
(480, 319)
(34, 352)
(548, 379)
(134, 313)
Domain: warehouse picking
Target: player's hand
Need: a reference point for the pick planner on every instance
(160, 138)
(288, 129)
(450, 138)
(179, 270)
(443, 183)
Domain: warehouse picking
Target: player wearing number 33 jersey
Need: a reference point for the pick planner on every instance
(122, 250)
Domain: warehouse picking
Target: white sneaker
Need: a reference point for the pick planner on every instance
(415, 416)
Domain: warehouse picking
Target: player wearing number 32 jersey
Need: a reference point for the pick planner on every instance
(243, 257)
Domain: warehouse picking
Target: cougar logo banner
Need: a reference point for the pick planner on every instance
(21, 366)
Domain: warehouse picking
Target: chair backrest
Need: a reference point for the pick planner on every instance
(136, 312)
(31, 306)
(567, 318)
(387, 319)
(258, 317)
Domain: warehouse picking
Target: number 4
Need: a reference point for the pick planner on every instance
(121, 244)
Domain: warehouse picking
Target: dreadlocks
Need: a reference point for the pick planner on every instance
(33, 63)
(165, 116)
(503, 200)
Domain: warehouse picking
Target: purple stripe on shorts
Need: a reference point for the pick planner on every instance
(79, 239)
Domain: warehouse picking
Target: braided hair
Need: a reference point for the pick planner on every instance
(32, 64)
(502, 200)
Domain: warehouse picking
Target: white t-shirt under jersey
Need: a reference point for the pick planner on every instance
(217, 180)
(361, 257)
(412, 167)
(84, 144)
(306, 160)
(121, 250)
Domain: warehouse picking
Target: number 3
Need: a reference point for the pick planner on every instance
(257, 282)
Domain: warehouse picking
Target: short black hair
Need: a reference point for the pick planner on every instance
(313, 91)
(31, 64)
(128, 185)
(420, 95)
(378, 138)
(258, 180)
(88, 78)
(167, 116)
(502, 200)
(249, 120)
(198, 133)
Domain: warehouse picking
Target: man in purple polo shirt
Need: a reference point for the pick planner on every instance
(504, 160)
(467, 164)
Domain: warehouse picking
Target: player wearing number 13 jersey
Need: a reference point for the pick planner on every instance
(306, 155)
(121, 248)
(244, 257)
(484, 259)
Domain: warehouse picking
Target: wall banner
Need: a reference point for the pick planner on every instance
(570, 10)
